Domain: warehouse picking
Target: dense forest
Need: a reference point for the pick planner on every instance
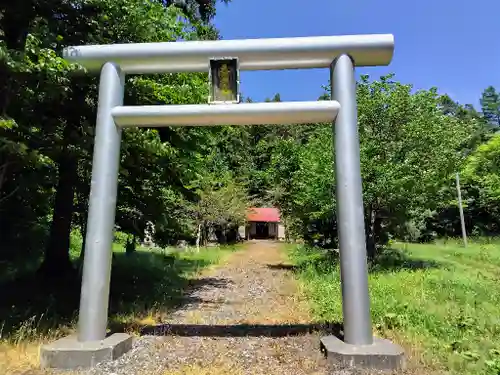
(197, 178)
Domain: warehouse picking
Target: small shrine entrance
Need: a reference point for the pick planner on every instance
(264, 224)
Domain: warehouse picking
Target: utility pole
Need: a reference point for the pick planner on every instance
(461, 209)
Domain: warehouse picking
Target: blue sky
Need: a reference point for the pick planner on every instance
(450, 44)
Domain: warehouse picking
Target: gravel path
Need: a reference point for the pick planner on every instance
(237, 325)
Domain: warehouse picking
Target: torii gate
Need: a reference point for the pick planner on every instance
(223, 59)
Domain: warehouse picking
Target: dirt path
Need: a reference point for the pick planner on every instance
(235, 324)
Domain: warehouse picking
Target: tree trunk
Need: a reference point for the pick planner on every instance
(206, 233)
(198, 237)
(285, 224)
(380, 237)
(57, 262)
(374, 235)
(370, 233)
(220, 233)
(130, 245)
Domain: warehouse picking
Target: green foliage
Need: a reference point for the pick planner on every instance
(483, 170)
(181, 177)
(221, 207)
(409, 148)
(490, 105)
(120, 237)
(47, 132)
(481, 178)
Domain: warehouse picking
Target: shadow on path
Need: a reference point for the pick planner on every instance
(282, 267)
(243, 330)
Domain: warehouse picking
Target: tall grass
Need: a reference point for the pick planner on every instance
(441, 301)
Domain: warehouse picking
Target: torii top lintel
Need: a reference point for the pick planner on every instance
(252, 54)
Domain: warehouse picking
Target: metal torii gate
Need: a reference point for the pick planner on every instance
(340, 54)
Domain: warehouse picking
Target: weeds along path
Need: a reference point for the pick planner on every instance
(240, 322)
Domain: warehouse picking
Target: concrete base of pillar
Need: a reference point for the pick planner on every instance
(381, 355)
(69, 353)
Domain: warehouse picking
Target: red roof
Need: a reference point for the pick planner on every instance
(268, 214)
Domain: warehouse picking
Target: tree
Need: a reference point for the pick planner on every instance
(202, 10)
(310, 201)
(41, 130)
(490, 106)
(220, 209)
(482, 173)
(409, 147)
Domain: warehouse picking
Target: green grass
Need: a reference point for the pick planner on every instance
(439, 300)
(145, 286)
